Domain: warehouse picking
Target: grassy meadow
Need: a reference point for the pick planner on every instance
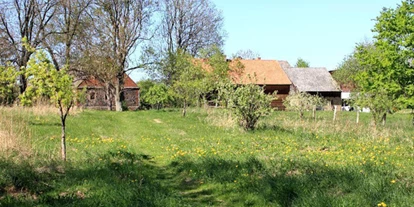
(158, 158)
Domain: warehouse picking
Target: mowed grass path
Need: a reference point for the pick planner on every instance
(158, 158)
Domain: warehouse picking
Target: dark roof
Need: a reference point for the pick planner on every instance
(312, 79)
(284, 64)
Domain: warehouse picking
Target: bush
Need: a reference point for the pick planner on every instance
(250, 103)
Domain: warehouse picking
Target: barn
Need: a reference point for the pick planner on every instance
(96, 97)
(315, 81)
(267, 73)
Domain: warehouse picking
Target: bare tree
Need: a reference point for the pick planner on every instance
(246, 54)
(67, 26)
(23, 19)
(123, 25)
(185, 26)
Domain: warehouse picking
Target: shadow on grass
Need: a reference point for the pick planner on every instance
(129, 179)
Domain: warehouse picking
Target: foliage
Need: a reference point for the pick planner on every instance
(301, 63)
(144, 86)
(386, 83)
(302, 101)
(8, 77)
(378, 87)
(225, 91)
(394, 34)
(157, 95)
(185, 26)
(250, 103)
(191, 82)
(345, 73)
(46, 81)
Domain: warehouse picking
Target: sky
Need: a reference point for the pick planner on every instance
(321, 32)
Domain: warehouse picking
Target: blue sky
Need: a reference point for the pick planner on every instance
(322, 32)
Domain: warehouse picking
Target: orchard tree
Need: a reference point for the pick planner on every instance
(250, 103)
(46, 81)
(302, 101)
(190, 83)
(301, 63)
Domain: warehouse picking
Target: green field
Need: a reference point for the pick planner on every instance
(158, 158)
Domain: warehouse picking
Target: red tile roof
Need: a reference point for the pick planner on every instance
(92, 82)
(267, 72)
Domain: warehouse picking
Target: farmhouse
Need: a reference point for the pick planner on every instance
(96, 97)
(315, 81)
(267, 73)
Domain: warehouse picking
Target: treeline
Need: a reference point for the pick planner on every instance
(381, 72)
(104, 39)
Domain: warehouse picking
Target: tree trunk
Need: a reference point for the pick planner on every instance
(357, 119)
(384, 119)
(301, 115)
(63, 140)
(412, 113)
(118, 104)
(108, 96)
(184, 108)
(334, 116)
(314, 113)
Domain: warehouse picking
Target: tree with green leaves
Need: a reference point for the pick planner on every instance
(394, 34)
(190, 84)
(250, 103)
(157, 95)
(46, 81)
(8, 76)
(345, 73)
(144, 86)
(302, 101)
(301, 63)
(387, 82)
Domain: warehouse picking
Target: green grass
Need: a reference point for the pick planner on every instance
(158, 158)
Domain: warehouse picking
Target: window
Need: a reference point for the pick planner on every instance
(92, 95)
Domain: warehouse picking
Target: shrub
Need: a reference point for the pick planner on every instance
(250, 103)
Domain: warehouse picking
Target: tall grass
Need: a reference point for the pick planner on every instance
(14, 132)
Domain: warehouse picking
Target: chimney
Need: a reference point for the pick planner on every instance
(259, 58)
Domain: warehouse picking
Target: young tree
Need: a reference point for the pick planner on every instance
(301, 63)
(190, 83)
(45, 80)
(302, 101)
(250, 103)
